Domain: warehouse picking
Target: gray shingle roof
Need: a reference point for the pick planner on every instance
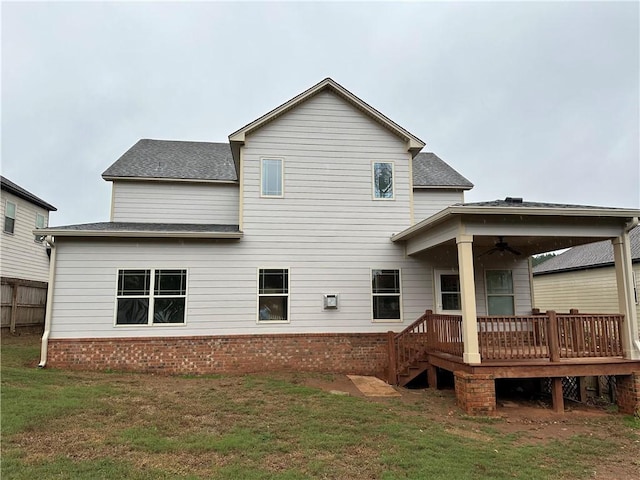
(589, 255)
(18, 191)
(431, 171)
(523, 204)
(169, 159)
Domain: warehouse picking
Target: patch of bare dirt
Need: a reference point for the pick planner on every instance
(533, 422)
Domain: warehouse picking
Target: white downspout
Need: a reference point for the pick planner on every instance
(47, 315)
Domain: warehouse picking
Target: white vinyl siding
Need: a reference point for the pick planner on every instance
(326, 229)
(590, 291)
(20, 255)
(175, 202)
(427, 202)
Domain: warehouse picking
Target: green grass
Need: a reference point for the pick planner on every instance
(92, 425)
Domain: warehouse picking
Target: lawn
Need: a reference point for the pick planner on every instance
(75, 425)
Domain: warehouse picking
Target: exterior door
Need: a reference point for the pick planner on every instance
(448, 299)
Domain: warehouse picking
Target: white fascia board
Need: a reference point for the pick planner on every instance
(136, 234)
(448, 212)
(168, 180)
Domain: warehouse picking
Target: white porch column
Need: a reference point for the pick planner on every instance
(468, 296)
(626, 297)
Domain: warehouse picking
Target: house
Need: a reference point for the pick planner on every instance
(24, 262)
(315, 239)
(584, 278)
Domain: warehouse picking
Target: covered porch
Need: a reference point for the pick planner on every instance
(478, 345)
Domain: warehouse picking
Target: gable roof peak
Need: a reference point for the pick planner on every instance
(237, 138)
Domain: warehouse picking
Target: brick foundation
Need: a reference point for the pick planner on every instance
(476, 394)
(364, 354)
(628, 393)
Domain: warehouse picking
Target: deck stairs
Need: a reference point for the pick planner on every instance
(408, 353)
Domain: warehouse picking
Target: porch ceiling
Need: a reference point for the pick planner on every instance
(527, 229)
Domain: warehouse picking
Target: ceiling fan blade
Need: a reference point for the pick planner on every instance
(491, 251)
(512, 250)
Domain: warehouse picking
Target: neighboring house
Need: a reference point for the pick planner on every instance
(24, 262)
(314, 240)
(584, 278)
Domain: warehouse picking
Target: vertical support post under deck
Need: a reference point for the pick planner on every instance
(556, 395)
(626, 300)
(468, 296)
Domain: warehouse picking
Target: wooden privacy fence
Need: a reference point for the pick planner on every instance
(23, 303)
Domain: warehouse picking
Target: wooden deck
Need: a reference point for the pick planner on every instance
(538, 345)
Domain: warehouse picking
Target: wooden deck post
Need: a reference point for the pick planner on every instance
(556, 395)
(392, 375)
(554, 349)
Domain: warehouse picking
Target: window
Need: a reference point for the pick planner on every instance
(383, 180)
(9, 217)
(450, 292)
(272, 177)
(386, 296)
(273, 295)
(151, 297)
(500, 298)
(39, 224)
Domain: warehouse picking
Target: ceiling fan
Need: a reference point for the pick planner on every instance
(501, 246)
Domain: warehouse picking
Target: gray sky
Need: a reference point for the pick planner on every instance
(538, 100)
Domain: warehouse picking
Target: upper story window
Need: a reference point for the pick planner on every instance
(150, 297)
(272, 177)
(383, 181)
(273, 295)
(386, 295)
(10, 217)
(39, 224)
(500, 296)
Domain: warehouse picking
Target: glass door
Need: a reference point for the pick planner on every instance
(448, 299)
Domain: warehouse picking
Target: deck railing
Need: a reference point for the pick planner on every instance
(548, 336)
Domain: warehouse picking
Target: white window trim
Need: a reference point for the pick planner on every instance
(4, 219)
(486, 288)
(151, 298)
(39, 238)
(373, 181)
(438, 291)
(262, 159)
(399, 294)
(288, 295)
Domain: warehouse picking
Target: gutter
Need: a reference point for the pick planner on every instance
(47, 316)
(632, 224)
(140, 233)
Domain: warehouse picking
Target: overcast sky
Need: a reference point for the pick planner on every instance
(535, 100)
